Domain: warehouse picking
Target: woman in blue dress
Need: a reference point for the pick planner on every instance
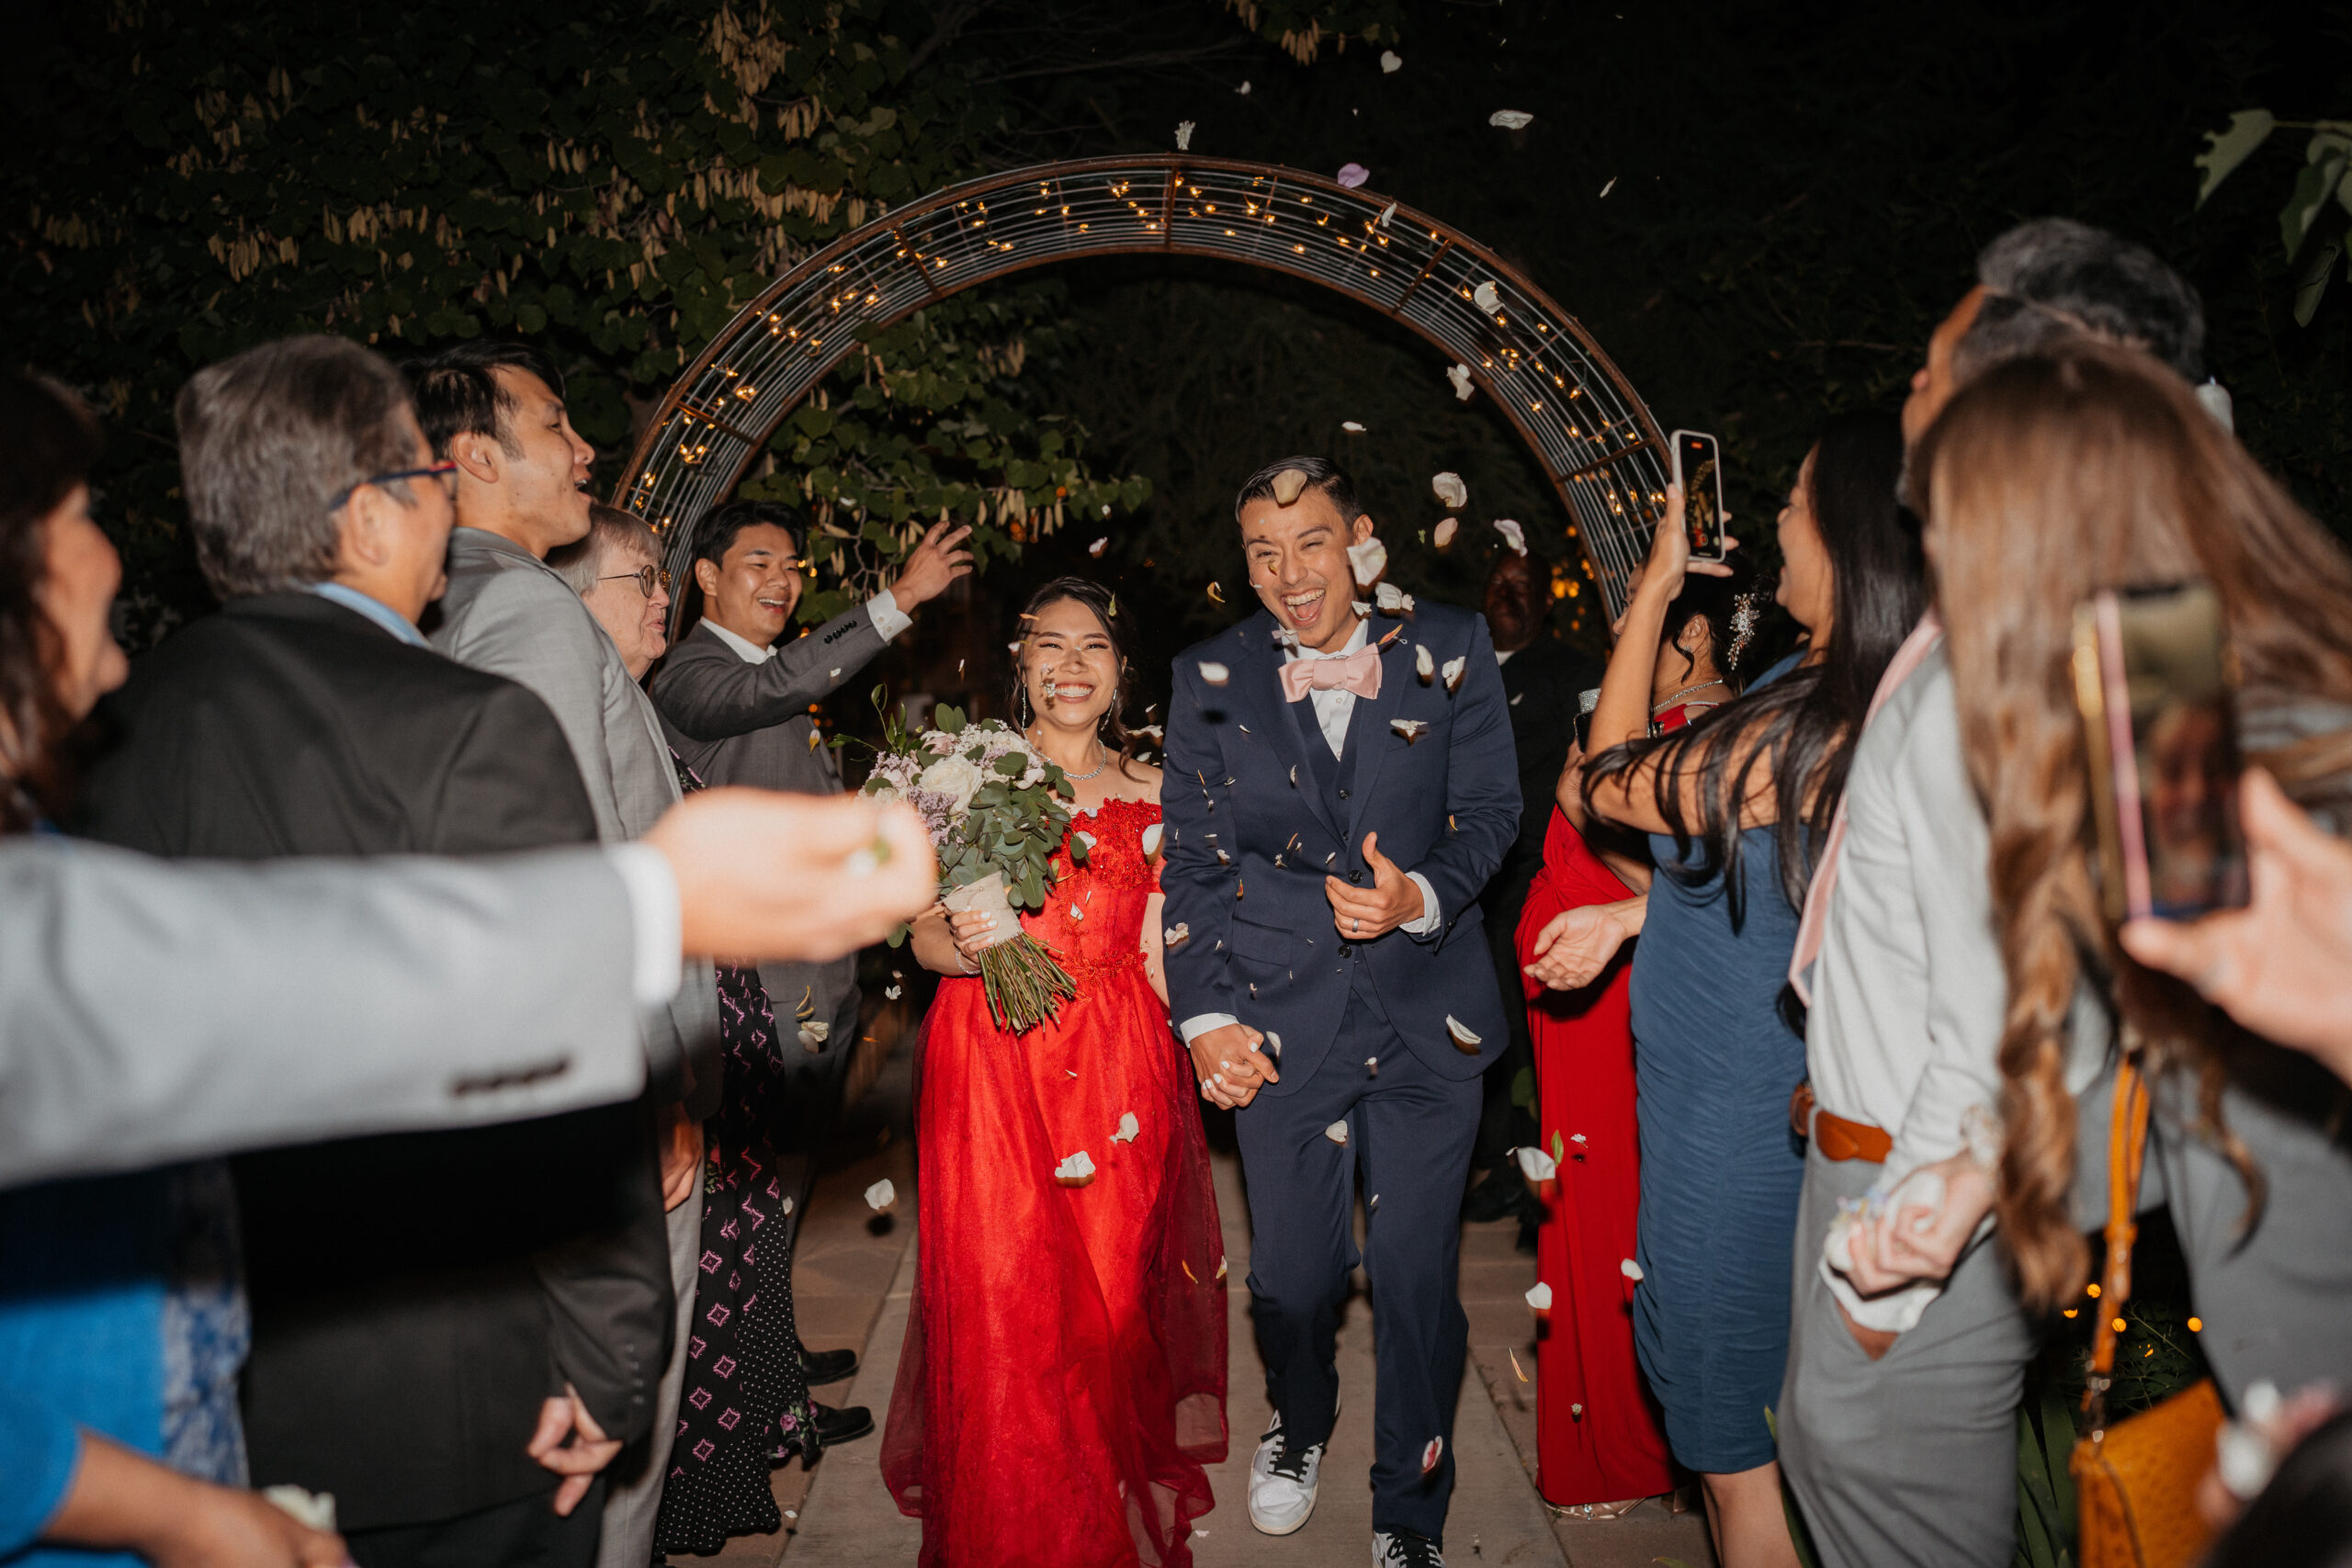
(1734, 803)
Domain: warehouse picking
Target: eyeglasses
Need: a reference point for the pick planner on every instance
(431, 470)
(645, 577)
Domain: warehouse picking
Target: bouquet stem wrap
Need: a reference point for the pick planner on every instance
(1024, 985)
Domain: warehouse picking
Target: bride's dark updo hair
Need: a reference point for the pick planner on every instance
(1111, 730)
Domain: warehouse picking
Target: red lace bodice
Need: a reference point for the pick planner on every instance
(1094, 916)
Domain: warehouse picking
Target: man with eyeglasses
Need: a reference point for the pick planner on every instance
(496, 409)
(452, 1332)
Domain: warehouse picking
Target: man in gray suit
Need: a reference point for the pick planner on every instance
(736, 696)
(736, 692)
(496, 410)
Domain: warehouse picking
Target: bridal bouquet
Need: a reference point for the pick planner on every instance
(996, 813)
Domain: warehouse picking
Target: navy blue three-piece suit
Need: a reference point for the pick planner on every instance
(1258, 811)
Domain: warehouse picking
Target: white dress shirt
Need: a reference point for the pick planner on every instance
(1335, 708)
(882, 609)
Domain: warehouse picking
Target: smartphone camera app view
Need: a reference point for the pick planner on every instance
(1697, 470)
(2153, 679)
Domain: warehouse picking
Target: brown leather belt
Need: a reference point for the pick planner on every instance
(1836, 1138)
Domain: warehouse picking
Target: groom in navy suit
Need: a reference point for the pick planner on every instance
(1340, 787)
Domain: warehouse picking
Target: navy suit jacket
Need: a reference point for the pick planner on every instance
(1240, 786)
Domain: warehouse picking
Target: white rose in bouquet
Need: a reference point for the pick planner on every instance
(955, 777)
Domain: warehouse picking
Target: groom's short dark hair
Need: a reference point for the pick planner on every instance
(1321, 474)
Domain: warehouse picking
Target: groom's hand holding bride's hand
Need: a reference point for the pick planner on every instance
(1232, 1064)
(1362, 913)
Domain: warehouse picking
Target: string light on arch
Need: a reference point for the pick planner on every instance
(1534, 361)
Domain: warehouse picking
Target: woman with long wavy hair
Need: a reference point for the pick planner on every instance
(1735, 805)
(2049, 479)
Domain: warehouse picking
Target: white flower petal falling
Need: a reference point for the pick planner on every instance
(1460, 376)
(1368, 561)
(1535, 1165)
(881, 1195)
(1513, 535)
(1510, 120)
(1215, 674)
(1443, 534)
(1391, 62)
(1337, 1132)
(1128, 1128)
(1448, 488)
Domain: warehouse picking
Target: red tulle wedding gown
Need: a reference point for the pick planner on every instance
(1063, 1381)
(1598, 1434)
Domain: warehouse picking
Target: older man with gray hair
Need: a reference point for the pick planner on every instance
(1897, 1418)
(431, 1314)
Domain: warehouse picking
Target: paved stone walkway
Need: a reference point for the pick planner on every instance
(852, 1277)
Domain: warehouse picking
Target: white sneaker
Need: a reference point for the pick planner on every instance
(1283, 1482)
(1404, 1549)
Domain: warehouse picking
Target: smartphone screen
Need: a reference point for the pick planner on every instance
(1698, 472)
(2162, 715)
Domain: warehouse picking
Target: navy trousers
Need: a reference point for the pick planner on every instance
(1409, 1134)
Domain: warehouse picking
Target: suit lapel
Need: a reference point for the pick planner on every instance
(1288, 728)
(1368, 731)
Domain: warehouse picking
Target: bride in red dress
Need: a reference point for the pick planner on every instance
(1062, 1387)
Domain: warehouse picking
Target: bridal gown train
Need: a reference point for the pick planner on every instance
(1063, 1381)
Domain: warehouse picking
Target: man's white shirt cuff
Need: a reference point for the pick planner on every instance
(657, 970)
(1429, 912)
(889, 619)
(1199, 1024)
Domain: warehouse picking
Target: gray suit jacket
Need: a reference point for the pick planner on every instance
(154, 1012)
(739, 723)
(507, 612)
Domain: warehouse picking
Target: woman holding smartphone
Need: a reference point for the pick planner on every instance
(1734, 804)
(2050, 479)
(1599, 1448)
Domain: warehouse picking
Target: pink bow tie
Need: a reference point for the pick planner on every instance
(1358, 672)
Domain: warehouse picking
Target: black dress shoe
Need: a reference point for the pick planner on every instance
(845, 1425)
(821, 1367)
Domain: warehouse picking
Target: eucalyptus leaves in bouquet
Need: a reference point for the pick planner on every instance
(996, 811)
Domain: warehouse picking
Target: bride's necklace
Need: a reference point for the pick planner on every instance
(1099, 750)
(1661, 708)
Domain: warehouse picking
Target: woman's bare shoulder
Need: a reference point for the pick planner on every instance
(1146, 778)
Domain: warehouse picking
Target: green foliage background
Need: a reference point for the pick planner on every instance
(1759, 211)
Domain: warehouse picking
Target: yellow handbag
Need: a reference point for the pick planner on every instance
(2135, 1483)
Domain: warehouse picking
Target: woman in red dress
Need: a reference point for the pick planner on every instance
(1600, 1446)
(1062, 1387)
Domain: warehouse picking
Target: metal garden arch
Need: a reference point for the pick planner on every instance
(1580, 416)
